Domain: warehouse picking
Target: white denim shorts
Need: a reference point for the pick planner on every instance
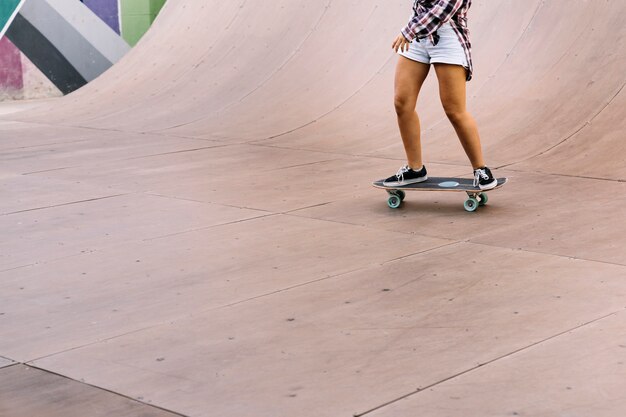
(448, 50)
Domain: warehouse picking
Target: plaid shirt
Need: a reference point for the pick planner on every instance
(429, 15)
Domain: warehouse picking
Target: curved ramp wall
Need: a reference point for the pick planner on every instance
(547, 93)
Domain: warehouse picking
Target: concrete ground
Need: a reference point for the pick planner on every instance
(202, 239)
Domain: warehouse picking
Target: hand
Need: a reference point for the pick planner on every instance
(401, 44)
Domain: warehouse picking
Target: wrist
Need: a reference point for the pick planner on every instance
(406, 35)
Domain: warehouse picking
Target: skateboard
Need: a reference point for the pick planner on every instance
(475, 196)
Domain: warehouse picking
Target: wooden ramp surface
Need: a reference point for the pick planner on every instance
(196, 228)
(28, 392)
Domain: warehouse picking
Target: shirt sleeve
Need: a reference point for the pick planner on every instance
(427, 24)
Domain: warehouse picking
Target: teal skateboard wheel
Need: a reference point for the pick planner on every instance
(483, 198)
(471, 204)
(394, 201)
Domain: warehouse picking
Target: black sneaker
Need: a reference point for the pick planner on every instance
(484, 179)
(406, 176)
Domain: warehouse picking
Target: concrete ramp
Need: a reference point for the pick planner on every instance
(196, 228)
(541, 81)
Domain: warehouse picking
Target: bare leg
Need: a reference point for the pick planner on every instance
(452, 83)
(410, 76)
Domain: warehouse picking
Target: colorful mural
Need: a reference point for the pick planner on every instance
(107, 10)
(53, 47)
(8, 10)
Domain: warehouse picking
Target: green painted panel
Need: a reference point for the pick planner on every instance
(7, 11)
(155, 7)
(130, 7)
(137, 16)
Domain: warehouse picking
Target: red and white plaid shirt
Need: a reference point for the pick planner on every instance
(429, 15)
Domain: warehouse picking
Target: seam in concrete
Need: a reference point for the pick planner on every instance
(8, 362)
(61, 124)
(366, 226)
(47, 261)
(215, 138)
(209, 227)
(290, 58)
(49, 170)
(17, 267)
(102, 129)
(259, 142)
(337, 107)
(102, 389)
(43, 144)
(308, 207)
(150, 193)
(370, 266)
(303, 164)
(520, 350)
(186, 316)
(574, 258)
(201, 311)
(585, 125)
(468, 240)
(456, 242)
(65, 204)
(207, 202)
(173, 197)
(172, 152)
(285, 289)
(556, 174)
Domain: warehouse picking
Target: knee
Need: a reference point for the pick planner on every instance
(455, 116)
(403, 105)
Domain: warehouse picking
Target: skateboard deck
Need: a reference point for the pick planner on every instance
(475, 196)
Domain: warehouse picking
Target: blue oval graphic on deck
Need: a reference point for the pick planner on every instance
(449, 184)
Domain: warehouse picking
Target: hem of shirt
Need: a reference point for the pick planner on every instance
(408, 35)
(468, 53)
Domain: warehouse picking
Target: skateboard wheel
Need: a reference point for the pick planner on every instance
(394, 201)
(471, 204)
(483, 199)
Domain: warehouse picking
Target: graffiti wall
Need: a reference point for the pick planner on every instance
(53, 47)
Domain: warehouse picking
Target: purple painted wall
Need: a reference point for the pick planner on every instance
(106, 10)
(10, 66)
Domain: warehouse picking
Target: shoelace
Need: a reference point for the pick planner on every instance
(401, 172)
(478, 174)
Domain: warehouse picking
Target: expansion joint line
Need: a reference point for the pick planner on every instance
(119, 394)
(420, 389)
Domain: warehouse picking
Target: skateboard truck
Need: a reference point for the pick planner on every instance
(474, 200)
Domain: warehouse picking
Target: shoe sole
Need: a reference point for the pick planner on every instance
(409, 182)
(489, 186)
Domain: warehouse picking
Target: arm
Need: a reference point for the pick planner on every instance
(426, 25)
